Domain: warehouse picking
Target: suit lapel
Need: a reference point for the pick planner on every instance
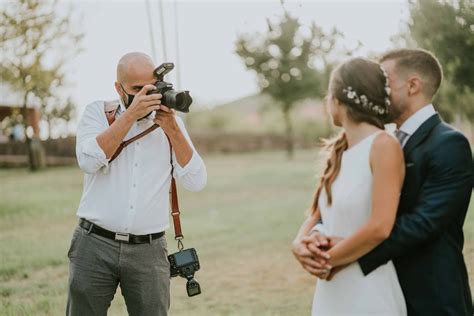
(421, 133)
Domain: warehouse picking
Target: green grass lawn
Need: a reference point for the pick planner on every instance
(242, 225)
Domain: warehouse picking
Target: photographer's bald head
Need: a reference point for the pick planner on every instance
(134, 71)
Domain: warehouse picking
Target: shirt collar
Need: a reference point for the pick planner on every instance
(417, 119)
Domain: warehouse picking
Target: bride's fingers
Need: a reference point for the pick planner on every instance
(320, 273)
(318, 252)
(322, 240)
(315, 264)
(311, 263)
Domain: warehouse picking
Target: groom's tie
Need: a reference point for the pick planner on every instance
(401, 136)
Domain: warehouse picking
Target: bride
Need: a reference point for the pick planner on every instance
(357, 196)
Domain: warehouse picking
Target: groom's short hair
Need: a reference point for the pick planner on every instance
(420, 61)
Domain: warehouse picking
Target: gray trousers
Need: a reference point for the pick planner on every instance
(97, 265)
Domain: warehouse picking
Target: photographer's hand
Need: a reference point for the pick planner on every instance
(167, 121)
(143, 104)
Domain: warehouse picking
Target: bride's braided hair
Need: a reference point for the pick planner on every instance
(361, 85)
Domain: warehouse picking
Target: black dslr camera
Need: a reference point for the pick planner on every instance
(180, 100)
(184, 263)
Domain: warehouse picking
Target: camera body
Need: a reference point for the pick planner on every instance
(179, 100)
(184, 264)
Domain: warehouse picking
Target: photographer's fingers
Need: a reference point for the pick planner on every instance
(153, 108)
(152, 97)
(147, 104)
(145, 89)
(166, 109)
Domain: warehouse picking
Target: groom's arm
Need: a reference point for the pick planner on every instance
(442, 199)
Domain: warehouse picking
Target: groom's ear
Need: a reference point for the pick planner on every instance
(415, 85)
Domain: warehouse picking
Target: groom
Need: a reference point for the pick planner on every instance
(427, 239)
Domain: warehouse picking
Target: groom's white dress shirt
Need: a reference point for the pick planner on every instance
(131, 194)
(414, 122)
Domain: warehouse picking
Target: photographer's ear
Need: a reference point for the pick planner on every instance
(118, 88)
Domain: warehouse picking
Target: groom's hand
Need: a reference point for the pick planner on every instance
(307, 259)
(318, 244)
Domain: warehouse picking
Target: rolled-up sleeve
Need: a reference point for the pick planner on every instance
(90, 155)
(193, 176)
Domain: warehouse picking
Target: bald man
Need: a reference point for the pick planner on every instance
(123, 211)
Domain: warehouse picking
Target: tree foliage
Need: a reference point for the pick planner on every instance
(292, 62)
(447, 29)
(37, 42)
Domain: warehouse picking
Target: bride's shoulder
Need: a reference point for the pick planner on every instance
(386, 144)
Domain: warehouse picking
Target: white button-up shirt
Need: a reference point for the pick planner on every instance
(416, 120)
(131, 194)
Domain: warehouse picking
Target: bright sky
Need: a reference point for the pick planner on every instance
(207, 32)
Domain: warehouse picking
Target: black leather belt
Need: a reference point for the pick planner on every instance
(128, 238)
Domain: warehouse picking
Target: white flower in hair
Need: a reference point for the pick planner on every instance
(351, 94)
(364, 101)
(387, 87)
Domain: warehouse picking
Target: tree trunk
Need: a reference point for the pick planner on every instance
(35, 149)
(27, 138)
(50, 127)
(289, 134)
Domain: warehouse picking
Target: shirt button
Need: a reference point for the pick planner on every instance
(138, 143)
(136, 165)
(131, 207)
(134, 185)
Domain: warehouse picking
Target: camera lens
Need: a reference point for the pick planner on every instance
(178, 100)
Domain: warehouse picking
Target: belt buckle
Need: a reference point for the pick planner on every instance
(122, 237)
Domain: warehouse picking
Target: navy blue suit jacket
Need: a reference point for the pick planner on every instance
(427, 240)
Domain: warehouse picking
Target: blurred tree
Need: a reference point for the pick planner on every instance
(447, 29)
(292, 63)
(56, 111)
(37, 41)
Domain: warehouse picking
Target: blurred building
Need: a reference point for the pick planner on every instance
(11, 104)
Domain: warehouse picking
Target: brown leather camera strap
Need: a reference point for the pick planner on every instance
(178, 235)
(131, 140)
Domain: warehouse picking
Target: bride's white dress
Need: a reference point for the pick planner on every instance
(350, 292)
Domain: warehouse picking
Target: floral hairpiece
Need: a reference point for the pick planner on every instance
(364, 101)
